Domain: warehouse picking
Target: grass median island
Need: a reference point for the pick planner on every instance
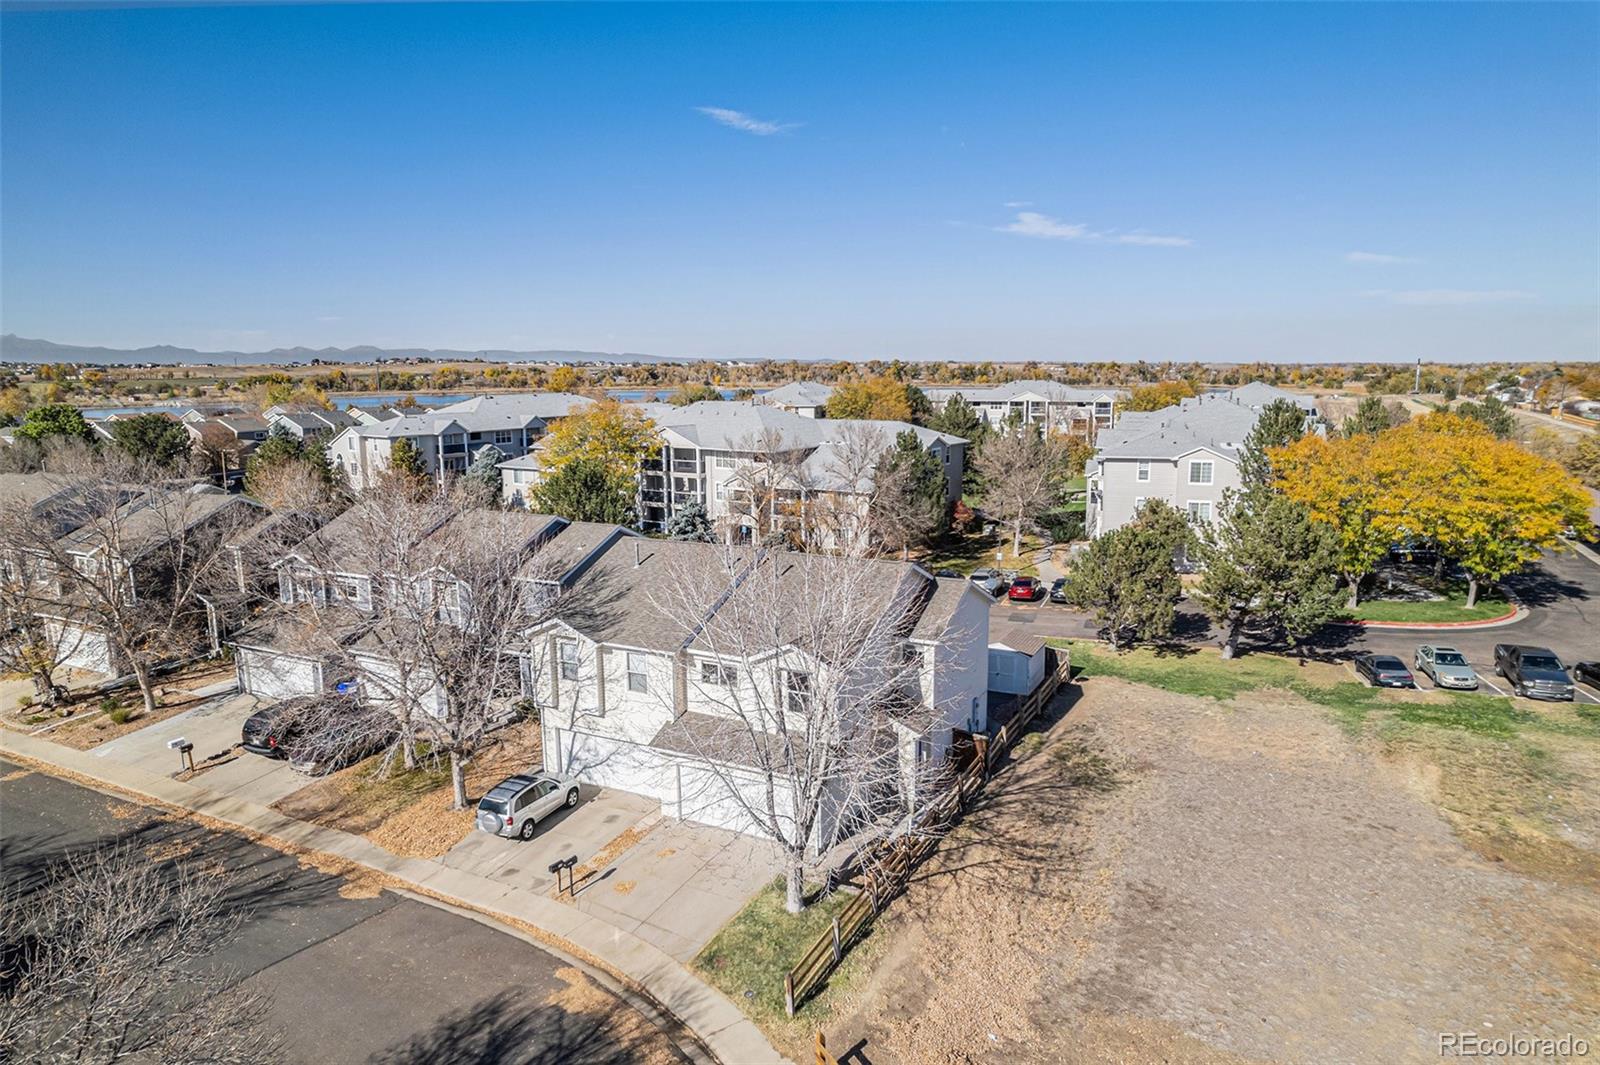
(974, 551)
(1453, 607)
(748, 959)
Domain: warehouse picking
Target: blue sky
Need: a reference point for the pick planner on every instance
(1234, 182)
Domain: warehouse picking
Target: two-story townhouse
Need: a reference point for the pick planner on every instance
(307, 423)
(448, 439)
(649, 696)
(120, 555)
(1058, 407)
(1186, 454)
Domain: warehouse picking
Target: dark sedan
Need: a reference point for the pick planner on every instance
(1587, 673)
(1385, 671)
(1058, 590)
(268, 730)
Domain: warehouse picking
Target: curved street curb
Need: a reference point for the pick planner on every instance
(720, 1026)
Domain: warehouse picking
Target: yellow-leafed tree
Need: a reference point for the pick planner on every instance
(606, 433)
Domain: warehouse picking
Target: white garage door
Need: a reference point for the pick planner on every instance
(273, 675)
(81, 649)
(611, 763)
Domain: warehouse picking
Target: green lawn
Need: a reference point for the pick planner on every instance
(749, 958)
(1451, 608)
(967, 553)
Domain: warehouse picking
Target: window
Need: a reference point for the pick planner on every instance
(637, 682)
(1138, 501)
(716, 673)
(354, 590)
(1201, 471)
(285, 587)
(796, 691)
(1199, 510)
(504, 436)
(567, 650)
(1144, 469)
(722, 462)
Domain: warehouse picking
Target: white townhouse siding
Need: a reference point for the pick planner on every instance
(307, 424)
(1186, 455)
(449, 438)
(1063, 408)
(637, 699)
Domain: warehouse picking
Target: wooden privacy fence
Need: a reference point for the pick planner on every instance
(889, 862)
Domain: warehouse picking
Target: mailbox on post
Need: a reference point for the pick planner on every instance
(185, 751)
(565, 863)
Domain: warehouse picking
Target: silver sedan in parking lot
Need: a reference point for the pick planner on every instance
(1446, 667)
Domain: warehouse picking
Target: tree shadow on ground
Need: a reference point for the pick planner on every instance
(505, 1029)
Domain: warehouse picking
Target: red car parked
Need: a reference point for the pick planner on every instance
(1026, 589)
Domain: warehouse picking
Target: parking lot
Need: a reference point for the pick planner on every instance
(1561, 592)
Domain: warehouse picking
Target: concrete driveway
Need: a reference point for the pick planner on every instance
(680, 884)
(674, 886)
(213, 727)
(602, 814)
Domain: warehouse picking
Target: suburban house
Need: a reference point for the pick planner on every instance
(1186, 454)
(634, 694)
(1062, 408)
(732, 457)
(328, 585)
(307, 423)
(809, 399)
(126, 555)
(245, 428)
(449, 438)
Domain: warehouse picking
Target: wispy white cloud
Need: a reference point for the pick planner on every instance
(1450, 297)
(1374, 258)
(1044, 227)
(741, 121)
(1014, 204)
(330, 317)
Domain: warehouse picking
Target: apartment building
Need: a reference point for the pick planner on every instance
(1186, 454)
(1058, 407)
(732, 457)
(809, 399)
(450, 437)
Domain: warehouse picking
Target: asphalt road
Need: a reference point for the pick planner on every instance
(385, 979)
(1562, 593)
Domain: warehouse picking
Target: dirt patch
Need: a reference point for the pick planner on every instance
(408, 813)
(1173, 878)
(89, 727)
(15, 774)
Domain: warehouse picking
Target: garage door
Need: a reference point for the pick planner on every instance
(611, 763)
(80, 649)
(273, 675)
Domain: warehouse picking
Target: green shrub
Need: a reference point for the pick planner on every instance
(24, 701)
(120, 715)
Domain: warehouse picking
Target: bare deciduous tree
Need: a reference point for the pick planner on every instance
(422, 601)
(143, 562)
(805, 703)
(100, 967)
(1021, 470)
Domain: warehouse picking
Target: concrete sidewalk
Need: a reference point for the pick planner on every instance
(724, 1030)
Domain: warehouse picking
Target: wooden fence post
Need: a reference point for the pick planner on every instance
(788, 993)
(982, 745)
(838, 954)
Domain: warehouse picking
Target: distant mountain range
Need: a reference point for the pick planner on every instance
(23, 349)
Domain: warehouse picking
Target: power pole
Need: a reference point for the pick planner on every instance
(1416, 387)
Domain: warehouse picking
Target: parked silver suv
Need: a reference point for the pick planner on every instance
(516, 805)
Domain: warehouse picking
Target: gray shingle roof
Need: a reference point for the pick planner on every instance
(1218, 421)
(799, 394)
(1053, 391)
